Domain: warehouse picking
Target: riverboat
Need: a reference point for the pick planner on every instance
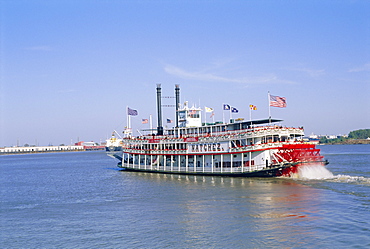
(258, 148)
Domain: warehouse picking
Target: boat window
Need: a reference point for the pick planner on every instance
(193, 115)
(264, 140)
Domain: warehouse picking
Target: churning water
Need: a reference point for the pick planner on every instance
(313, 172)
(81, 200)
(319, 172)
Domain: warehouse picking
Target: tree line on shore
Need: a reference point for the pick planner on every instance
(354, 137)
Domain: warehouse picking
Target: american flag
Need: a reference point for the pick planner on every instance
(131, 112)
(277, 101)
(169, 121)
(144, 121)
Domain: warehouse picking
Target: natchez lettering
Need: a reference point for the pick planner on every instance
(206, 147)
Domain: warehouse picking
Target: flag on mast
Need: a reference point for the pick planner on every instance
(226, 107)
(144, 121)
(277, 101)
(253, 107)
(131, 112)
(208, 109)
(234, 110)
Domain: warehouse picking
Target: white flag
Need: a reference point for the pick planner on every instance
(208, 109)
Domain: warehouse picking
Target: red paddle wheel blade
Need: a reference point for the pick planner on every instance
(297, 155)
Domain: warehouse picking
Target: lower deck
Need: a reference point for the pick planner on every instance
(211, 163)
(268, 161)
(269, 172)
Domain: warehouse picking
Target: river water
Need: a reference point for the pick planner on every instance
(81, 200)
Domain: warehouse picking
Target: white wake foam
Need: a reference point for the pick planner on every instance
(313, 172)
(319, 172)
(352, 179)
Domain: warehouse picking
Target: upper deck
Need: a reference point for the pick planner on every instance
(223, 132)
(229, 141)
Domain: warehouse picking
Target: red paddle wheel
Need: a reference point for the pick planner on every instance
(296, 155)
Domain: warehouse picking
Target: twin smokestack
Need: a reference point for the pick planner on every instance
(159, 107)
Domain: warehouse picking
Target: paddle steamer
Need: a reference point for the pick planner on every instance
(258, 148)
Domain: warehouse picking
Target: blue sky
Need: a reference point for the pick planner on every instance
(70, 68)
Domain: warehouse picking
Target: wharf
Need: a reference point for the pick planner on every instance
(47, 149)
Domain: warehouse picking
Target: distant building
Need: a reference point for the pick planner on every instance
(330, 136)
(82, 143)
(313, 136)
(90, 145)
(315, 139)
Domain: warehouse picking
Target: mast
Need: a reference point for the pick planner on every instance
(269, 100)
(177, 96)
(159, 110)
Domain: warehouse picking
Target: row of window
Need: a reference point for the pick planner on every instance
(232, 144)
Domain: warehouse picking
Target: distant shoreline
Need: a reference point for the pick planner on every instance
(349, 142)
(48, 151)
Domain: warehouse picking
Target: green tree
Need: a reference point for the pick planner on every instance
(359, 134)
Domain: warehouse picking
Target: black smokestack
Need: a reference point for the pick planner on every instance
(177, 96)
(159, 110)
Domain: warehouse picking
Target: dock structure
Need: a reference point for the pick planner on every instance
(40, 149)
